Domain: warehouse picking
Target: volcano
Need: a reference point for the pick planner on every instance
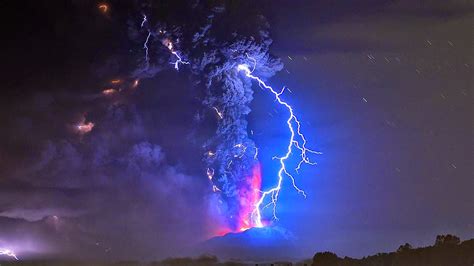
(259, 244)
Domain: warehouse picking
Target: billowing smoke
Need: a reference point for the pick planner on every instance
(212, 40)
(98, 164)
(109, 193)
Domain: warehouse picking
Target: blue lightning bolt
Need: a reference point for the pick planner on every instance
(145, 46)
(178, 61)
(297, 140)
(143, 21)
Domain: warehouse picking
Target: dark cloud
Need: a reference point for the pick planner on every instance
(396, 167)
(213, 45)
(90, 195)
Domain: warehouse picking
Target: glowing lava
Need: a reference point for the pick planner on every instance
(249, 196)
(249, 199)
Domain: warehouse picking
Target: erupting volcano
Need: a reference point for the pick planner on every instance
(249, 197)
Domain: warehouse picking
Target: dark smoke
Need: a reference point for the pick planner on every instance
(215, 39)
(109, 194)
(121, 190)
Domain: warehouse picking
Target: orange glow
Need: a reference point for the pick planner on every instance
(104, 8)
(116, 81)
(109, 91)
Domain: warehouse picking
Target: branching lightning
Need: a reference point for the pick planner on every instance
(297, 140)
(168, 44)
(8, 253)
(179, 60)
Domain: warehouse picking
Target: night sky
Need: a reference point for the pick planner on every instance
(382, 88)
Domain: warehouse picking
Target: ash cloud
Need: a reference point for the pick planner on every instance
(92, 196)
(116, 192)
(220, 37)
(133, 186)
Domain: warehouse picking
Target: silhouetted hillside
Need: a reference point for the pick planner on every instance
(447, 251)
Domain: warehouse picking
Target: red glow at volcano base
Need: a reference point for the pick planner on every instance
(249, 197)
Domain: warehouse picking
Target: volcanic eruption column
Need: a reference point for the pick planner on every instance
(231, 150)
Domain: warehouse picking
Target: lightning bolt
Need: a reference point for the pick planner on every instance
(145, 46)
(178, 61)
(297, 140)
(143, 21)
(8, 253)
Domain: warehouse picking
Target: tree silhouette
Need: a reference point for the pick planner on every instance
(447, 251)
(405, 247)
(325, 259)
(447, 240)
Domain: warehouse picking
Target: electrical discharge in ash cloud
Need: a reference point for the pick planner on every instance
(297, 140)
(8, 253)
(216, 48)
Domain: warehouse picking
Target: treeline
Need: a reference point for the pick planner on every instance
(446, 251)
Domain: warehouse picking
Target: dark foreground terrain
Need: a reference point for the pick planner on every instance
(448, 250)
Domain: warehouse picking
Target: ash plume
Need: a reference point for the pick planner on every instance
(219, 39)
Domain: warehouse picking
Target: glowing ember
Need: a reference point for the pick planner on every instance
(210, 173)
(135, 83)
(116, 81)
(109, 91)
(83, 128)
(104, 8)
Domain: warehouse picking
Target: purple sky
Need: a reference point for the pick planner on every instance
(384, 90)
